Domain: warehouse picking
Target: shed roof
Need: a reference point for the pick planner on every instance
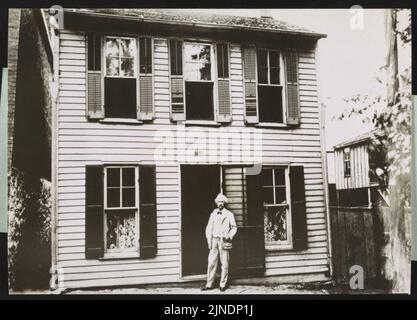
(362, 138)
(184, 17)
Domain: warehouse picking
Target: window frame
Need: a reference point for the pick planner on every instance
(283, 85)
(214, 79)
(347, 163)
(103, 76)
(125, 252)
(135, 57)
(287, 244)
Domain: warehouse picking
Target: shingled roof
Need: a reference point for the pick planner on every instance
(199, 18)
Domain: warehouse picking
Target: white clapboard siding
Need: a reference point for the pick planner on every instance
(81, 142)
(359, 168)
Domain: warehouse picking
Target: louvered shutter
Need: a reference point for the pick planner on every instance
(177, 80)
(298, 208)
(95, 109)
(94, 210)
(146, 105)
(147, 211)
(293, 102)
(223, 83)
(249, 73)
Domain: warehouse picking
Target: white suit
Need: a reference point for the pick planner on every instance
(220, 225)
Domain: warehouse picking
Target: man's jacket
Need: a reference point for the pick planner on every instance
(227, 227)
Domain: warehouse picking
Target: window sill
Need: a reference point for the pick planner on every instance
(202, 123)
(119, 256)
(121, 121)
(278, 247)
(272, 125)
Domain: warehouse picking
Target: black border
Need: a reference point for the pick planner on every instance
(262, 303)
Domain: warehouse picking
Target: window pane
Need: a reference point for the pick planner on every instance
(262, 57)
(280, 195)
(199, 100)
(263, 75)
(270, 104)
(197, 62)
(128, 177)
(274, 59)
(113, 177)
(279, 176)
(128, 48)
(275, 224)
(274, 76)
(266, 177)
(112, 66)
(113, 197)
(121, 231)
(120, 98)
(268, 195)
(127, 69)
(112, 48)
(128, 197)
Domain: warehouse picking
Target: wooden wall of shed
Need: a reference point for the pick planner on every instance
(81, 142)
(359, 168)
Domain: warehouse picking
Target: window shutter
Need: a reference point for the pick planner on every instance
(147, 211)
(249, 73)
(298, 207)
(177, 80)
(254, 198)
(95, 109)
(223, 83)
(146, 108)
(293, 100)
(94, 210)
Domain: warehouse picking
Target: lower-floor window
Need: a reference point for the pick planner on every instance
(121, 209)
(276, 208)
(273, 194)
(121, 231)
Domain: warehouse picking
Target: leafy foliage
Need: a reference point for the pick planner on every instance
(29, 232)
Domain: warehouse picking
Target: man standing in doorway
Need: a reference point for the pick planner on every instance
(220, 230)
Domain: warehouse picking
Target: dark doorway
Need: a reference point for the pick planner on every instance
(199, 186)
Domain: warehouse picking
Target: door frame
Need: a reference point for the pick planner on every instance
(181, 164)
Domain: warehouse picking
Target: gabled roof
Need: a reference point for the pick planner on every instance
(183, 17)
(363, 138)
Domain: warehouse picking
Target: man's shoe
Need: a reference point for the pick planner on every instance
(222, 289)
(205, 288)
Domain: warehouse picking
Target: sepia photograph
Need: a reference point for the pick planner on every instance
(209, 151)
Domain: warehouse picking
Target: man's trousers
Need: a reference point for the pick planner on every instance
(217, 251)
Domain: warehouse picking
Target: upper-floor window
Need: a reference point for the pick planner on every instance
(120, 77)
(270, 86)
(199, 84)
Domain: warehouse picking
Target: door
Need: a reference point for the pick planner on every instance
(199, 186)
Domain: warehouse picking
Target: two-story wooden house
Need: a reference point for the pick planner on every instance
(158, 112)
